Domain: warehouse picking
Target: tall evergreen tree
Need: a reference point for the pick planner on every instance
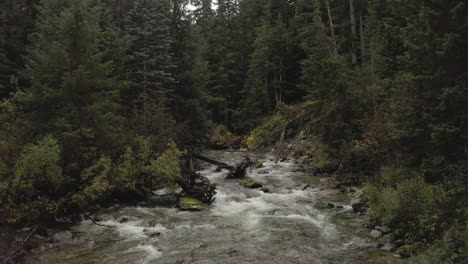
(151, 69)
(74, 91)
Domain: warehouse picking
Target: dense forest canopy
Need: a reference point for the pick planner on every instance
(99, 97)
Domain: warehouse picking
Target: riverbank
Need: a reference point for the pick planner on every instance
(286, 225)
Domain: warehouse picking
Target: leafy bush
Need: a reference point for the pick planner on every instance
(166, 168)
(403, 199)
(36, 187)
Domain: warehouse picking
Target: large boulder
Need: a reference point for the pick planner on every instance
(190, 204)
(249, 183)
(376, 233)
(63, 237)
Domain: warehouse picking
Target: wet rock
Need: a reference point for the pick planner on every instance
(190, 204)
(39, 237)
(404, 251)
(257, 164)
(263, 172)
(46, 246)
(62, 237)
(359, 205)
(249, 183)
(123, 220)
(306, 187)
(151, 233)
(399, 242)
(42, 231)
(330, 192)
(376, 233)
(339, 206)
(302, 159)
(384, 229)
(323, 205)
(265, 189)
(388, 247)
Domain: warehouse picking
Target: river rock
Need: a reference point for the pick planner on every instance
(359, 205)
(330, 192)
(302, 159)
(151, 233)
(384, 229)
(62, 237)
(376, 233)
(405, 251)
(190, 204)
(262, 172)
(323, 205)
(249, 183)
(265, 189)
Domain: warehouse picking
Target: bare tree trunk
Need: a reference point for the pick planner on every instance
(353, 31)
(372, 58)
(361, 31)
(280, 145)
(280, 82)
(332, 29)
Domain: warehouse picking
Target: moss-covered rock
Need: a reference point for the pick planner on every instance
(249, 183)
(258, 165)
(190, 204)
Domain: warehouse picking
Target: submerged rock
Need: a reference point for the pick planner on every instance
(249, 183)
(262, 172)
(190, 204)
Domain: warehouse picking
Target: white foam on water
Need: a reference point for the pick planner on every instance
(151, 251)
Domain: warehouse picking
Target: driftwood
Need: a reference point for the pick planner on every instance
(235, 172)
(200, 188)
(96, 223)
(18, 251)
(240, 170)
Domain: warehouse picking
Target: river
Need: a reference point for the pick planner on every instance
(241, 226)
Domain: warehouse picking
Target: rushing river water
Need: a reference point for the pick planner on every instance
(241, 226)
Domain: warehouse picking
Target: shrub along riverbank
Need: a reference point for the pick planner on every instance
(424, 203)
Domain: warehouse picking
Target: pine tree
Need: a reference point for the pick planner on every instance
(74, 90)
(152, 66)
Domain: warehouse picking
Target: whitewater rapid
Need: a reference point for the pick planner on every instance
(241, 226)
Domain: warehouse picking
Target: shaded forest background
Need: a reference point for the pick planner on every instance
(99, 100)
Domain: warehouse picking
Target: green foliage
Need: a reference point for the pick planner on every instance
(34, 191)
(451, 249)
(267, 133)
(166, 167)
(418, 210)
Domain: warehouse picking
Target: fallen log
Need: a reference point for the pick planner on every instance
(221, 165)
(235, 172)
